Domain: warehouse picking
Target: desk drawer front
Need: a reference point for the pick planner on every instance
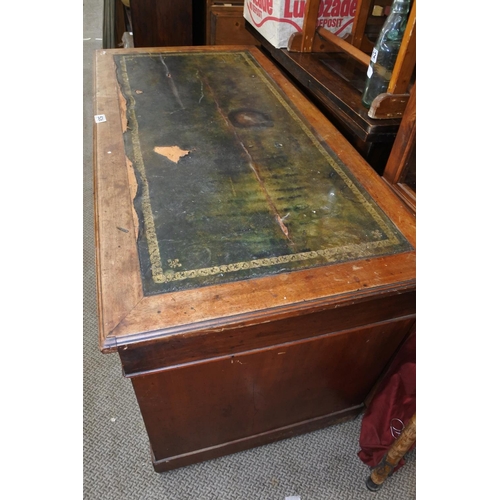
(197, 345)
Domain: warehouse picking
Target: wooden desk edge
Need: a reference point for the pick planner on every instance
(121, 313)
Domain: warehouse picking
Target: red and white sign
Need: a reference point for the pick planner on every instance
(276, 20)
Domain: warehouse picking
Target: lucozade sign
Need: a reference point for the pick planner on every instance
(276, 20)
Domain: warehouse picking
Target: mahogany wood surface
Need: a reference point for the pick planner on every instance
(127, 312)
(263, 438)
(403, 155)
(209, 342)
(158, 23)
(120, 22)
(220, 368)
(227, 26)
(259, 391)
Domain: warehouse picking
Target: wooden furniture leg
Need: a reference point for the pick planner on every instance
(391, 459)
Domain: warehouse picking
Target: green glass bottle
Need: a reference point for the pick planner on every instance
(385, 52)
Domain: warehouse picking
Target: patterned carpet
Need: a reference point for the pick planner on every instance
(321, 465)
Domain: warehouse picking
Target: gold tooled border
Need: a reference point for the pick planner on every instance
(149, 223)
(330, 254)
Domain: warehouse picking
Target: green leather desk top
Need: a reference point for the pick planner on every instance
(232, 182)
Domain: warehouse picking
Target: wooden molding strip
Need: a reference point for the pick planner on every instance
(406, 60)
(345, 46)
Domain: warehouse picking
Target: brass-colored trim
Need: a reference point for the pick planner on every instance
(152, 241)
(330, 254)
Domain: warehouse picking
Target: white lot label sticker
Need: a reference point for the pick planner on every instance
(99, 118)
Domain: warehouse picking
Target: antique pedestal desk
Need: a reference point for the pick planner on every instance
(254, 274)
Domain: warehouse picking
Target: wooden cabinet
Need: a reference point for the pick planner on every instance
(158, 23)
(167, 23)
(225, 24)
(254, 274)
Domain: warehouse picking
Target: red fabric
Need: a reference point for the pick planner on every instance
(395, 399)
